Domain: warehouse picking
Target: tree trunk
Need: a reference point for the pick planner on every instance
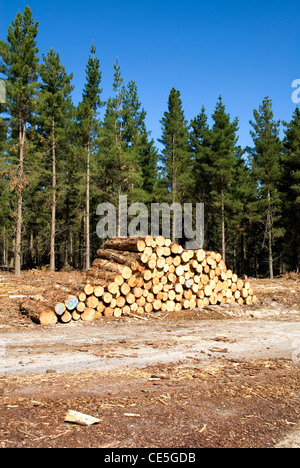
(270, 236)
(71, 248)
(87, 242)
(118, 140)
(53, 203)
(174, 189)
(5, 249)
(132, 244)
(31, 249)
(223, 229)
(22, 136)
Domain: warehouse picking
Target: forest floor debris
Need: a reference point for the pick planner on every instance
(277, 298)
(196, 379)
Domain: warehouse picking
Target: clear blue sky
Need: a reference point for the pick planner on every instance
(239, 49)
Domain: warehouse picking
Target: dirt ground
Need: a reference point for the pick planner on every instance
(220, 377)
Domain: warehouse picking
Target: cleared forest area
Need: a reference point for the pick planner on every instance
(222, 376)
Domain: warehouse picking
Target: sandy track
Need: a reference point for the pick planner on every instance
(111, 345)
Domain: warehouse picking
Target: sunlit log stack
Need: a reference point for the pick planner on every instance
(136, 277)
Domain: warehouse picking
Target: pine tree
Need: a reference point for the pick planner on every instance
(140, 153)
(132, 128)
(291, 191)
(20, 66)
(55, 118)
(203, 171)
(266, 167)
(112, 144)
(128, 157)
(88, 125)
(148, 160)
(3, 131)
(3, 134)
(223, 142)
(238, 220)
(176, 155)
(5, 195)
(200, 141)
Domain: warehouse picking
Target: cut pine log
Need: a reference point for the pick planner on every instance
(60, 308)
(176, 249)
(38, 312)
(92, 302)
(98, 291)
(88, 315)
(112, 267)
(113, 288)
(132, 244)
(104, 275)
(81, 296)
(71, 303)
(107, 297)
(123, 258)
(125, 289)
(88, 289)
(135, 276)
(80, 308)
(66, 317)
(76, 315)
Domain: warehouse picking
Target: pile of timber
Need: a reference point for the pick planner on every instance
(138, 276)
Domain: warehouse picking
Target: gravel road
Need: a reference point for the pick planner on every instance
(111, 345)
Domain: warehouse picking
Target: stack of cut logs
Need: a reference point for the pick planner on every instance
(137, 276)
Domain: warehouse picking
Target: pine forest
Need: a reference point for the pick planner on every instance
(59, 161)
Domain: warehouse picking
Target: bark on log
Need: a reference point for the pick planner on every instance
(131, 244)
(96, 274)
(38, 312)
(123, 258)
(107, 265)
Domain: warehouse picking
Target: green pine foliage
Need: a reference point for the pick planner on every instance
(215, 168)
(127, 152)
(88, 131)
(55, 116)
(267, 171)
(6, 230)
(203, 173)
(290, 188)
(176, 155)
(19, 65)
(111, 144)
(223, 144)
